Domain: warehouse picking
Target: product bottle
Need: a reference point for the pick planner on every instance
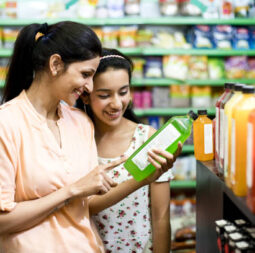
(203, 137)
(222, 126)
(227, 129)
(239, 140)
(177, 129)
(217, 120)
(250, 165)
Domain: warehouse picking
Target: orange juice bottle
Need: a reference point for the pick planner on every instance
(227, 129)
(203, 137)
(239, 140)
(250, 165)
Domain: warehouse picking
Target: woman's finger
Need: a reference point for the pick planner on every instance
(113, 164)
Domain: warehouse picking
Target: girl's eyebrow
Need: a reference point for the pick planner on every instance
(105, 90)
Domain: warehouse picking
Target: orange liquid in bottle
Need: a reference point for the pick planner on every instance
(203, 137)
(239, 140)
(250, 166)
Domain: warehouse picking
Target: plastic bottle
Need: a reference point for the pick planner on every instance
(227, 129)
(222, 126)
(176, 129)
(217, 120)
(250, 165)
(239, 140)
(203, 137)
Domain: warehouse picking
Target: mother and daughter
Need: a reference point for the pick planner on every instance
(60, 166)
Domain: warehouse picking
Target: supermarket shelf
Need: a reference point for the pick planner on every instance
(168, 81)
(133, 20)
(168, 111)
(160, 51)
(176, 184)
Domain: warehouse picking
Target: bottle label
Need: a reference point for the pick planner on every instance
(208, 137)
(226, 143)
(217, 130)
(249, 171)
(163, 140)
(233, 148)
(222, 120)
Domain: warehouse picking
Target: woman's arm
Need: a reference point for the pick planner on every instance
(160, 213)
(29, 213)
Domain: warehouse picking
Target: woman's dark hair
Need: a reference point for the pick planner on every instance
(72, 41)
(113, 59)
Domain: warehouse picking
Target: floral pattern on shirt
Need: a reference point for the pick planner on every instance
(126, 226)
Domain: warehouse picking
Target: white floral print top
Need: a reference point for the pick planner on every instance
(126, 226)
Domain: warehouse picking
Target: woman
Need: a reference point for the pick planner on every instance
(48, 154)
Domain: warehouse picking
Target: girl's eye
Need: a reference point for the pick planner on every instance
(123, 93)
(103, 96)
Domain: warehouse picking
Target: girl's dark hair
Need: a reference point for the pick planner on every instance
(72, 41)
(116, 60)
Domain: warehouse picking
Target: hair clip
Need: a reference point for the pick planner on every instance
(112, 56)
(38, 35)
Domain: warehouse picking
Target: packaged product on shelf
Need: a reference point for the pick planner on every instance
(250, 164)
(115, 8)
(160, 97)
(251, 68)
(110, 36)
(191, 7)
(212, 10)
(227, 129)
(99, 32)
(180, 95)
(241, 38)
(168, 7)
(240, 115)
(241, 8)
(198, 67)
(9, 36)
(227, 231)
(226, 9)
(149, 9)
(252, 35)
(236, 67)
(33, 9)
(132, 7)
(222, 36)
(137, 99)
(216, 69)
(3, 69)
(138, 64)
(176, 67)
(11, 9)
(175, 130)
(200, 96)
(154, 121)
(153, 67)
(146, 99)
(101, 9)
(144, 37)
(227, 90)
(127, 36)
(200, 36)
(219, 227)
(203, 137)
(222, 133)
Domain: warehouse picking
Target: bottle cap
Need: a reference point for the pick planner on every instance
(248, 89)
(238, 87)
(192, 115)
(202, 112)
(229, 85)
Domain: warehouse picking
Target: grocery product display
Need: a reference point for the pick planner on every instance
(188, 55)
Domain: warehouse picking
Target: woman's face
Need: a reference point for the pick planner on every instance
(110, 96)
(76, 79)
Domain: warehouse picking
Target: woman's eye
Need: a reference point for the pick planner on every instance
(103, 96)
(123, 93)
(85, 75)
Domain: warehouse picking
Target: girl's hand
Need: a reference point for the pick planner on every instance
(162, 161)
(96, 181)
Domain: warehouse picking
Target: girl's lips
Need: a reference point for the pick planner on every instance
(114, 115)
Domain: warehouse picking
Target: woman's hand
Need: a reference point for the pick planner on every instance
(96, 181)
(162, 161)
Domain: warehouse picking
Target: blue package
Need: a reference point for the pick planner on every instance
(222, 36)
(241, 38)
(201, 37)
(154, 121)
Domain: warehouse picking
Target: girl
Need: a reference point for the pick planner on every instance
(126, 226)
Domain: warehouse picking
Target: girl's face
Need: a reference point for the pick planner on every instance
(76, 79)
(110, 96)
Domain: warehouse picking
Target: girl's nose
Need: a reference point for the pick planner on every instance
(116, 102)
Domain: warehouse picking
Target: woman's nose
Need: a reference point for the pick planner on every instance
(88, 87)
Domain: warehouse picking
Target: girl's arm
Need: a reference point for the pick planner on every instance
(160, 213)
